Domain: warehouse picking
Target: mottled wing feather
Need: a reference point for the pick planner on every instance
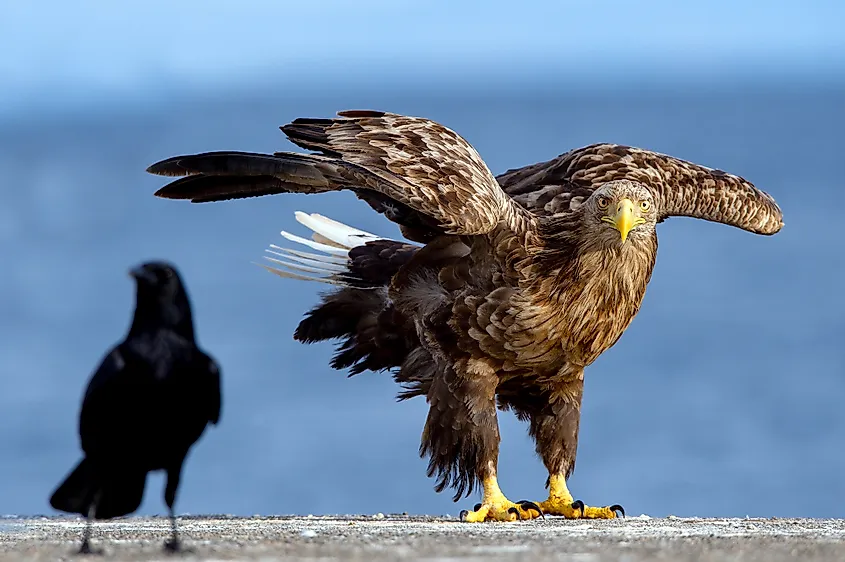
(414, 225)
(417, 172)
(435, 170)
(680, 188)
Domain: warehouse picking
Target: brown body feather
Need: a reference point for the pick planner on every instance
(519, 285)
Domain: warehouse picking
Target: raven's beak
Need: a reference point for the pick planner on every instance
(140, 273)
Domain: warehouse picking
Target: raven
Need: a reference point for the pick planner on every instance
(145, 406)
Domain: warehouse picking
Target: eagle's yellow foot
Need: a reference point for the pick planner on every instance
(495, 506)
(577, 509)
(504, 510)
(560, 502)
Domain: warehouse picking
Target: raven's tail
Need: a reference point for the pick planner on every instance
(119, 494)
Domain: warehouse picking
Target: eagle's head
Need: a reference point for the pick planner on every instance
(620, 212)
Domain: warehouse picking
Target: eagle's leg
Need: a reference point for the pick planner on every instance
(461, 437)
(554, 426)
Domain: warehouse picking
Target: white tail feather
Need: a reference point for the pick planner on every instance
(289, 275)
(329, 236)
(316, 245)
(308, 255)
(317, 237)
(289, 265)
(323, 265)
(346, 236)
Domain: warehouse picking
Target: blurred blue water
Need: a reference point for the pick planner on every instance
(723, 398)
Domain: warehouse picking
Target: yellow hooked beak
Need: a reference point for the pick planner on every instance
(624, 219)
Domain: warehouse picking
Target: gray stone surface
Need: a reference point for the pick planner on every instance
(397, 537)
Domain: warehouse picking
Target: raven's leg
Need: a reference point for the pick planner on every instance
(461, 437)
(554, 415)
(174, 474)
(85, 548)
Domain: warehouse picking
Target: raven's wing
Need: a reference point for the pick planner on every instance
(208, 386)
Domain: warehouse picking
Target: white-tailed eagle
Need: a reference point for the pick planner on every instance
(517, 283)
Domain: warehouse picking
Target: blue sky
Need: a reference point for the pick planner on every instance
(741, 375)
(76, 50)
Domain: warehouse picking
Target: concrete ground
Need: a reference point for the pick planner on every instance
(400, 537)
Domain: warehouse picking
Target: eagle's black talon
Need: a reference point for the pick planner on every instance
(464, 513)
(476, 507)
(616, 507)
(579, 505)
(516, 512)
(526, 505)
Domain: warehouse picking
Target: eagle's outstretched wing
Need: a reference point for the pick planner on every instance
(399, 163)
(680, 188)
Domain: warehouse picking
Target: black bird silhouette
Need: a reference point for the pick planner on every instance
(145, 406)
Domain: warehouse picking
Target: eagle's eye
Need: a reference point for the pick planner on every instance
(645, 205)
(603, 202)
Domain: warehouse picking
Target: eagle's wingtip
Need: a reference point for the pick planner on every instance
(160, 168)
(167, 193)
